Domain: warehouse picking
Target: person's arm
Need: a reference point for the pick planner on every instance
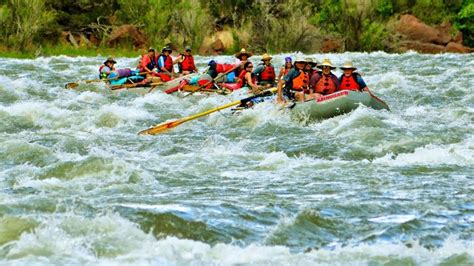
(282, 71)
(145, 61)
(161, 65)
(280, 99)
(248, 78)
(362, 85)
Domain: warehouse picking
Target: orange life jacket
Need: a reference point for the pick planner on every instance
(188, 63)
(350, 83)
(301, 82)
(325, 85)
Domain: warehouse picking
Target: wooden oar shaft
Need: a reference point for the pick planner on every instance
(167, 125)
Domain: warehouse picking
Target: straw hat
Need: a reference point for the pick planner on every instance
(243, 52)
(326, 62)
(266, 57)
(300, 59)
(311, 62)
(348, 65)
(110, 59)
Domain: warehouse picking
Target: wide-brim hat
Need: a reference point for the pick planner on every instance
(243, 52)
(110, 59)
(300, 59)
(187, 48)
(311, 62)
(326, 62)
(166, 48)
(266, 57)
(348, 65)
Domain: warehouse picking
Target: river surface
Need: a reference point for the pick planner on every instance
(79, 186)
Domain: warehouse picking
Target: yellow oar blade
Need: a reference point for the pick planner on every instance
(161, 127)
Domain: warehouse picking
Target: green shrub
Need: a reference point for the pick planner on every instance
(373, 36)
(465, 23)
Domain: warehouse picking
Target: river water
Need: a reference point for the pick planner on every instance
(79, 186)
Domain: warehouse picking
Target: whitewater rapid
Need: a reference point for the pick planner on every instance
(79, 186)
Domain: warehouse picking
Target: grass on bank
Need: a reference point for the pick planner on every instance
(69, 51)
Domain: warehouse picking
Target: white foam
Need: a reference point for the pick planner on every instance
(461, 154)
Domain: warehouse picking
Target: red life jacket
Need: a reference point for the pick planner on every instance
(221, 68)
(301, 82)
(350, 83)
(325, 84)
(268, 74)
(168, 63)
(242, 81)
(188, 63)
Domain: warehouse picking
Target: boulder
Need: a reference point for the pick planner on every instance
(139, 39)
(429, 48)
(444, 32)
(217, 43)
(331, 45)
(414, 29)
(454, 47)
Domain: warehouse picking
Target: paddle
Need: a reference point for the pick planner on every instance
(212, 80)
(378, 99)
(134, 85)
(72, 85)
(167, 125)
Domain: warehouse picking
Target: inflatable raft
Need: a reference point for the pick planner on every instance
(337, 103)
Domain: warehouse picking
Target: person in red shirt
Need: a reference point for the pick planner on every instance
(186, 62)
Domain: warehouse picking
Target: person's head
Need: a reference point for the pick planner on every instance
(248, 66)
(326, 66)
(310, 64)
(288, 62)
(300, 63)
(110, 62)
(166, 50)
(151, 52)
(266, 58)
(348, 68)
(212, 65)
(187, 50)
(243, 55)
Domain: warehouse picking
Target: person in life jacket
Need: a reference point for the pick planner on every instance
(248, 79)
(186, 62)
(265, 72)
(310, 65)
(295, 82)
(165, 64)
(107, 68)
(243, 57)
(285, 68)
(216, 68)
(351, 80)
(324, 82)
(147, 62)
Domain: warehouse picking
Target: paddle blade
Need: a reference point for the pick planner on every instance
(160, 128)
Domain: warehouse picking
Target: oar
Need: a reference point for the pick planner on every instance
(168, 125)
(377, 98)
(212, 80)
(73, 85)
(134, 85)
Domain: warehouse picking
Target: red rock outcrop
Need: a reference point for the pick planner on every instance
(139, 39)
(423, 38)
